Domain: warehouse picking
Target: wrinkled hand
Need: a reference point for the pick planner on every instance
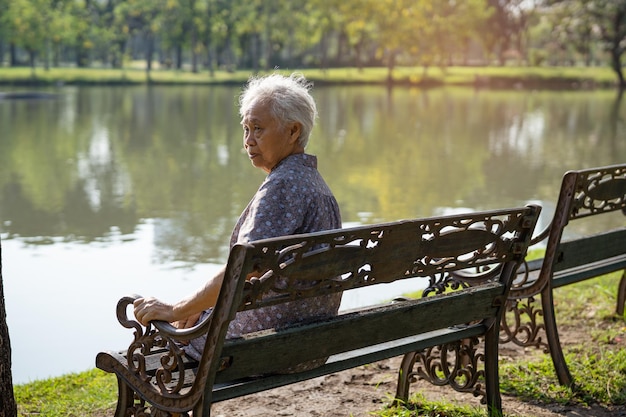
(148, 309)
(188, 322)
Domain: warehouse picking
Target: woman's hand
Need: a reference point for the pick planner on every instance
(183, 314)
(148, 309)
(188, 322)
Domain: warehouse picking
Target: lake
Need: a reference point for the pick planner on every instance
(108, 191)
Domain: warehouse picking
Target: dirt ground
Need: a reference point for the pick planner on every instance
(360, 391)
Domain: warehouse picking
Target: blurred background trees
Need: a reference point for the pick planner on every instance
(198, 35)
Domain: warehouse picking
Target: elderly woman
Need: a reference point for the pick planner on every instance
(277, 115)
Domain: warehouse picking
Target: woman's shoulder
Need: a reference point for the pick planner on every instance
(295, 168)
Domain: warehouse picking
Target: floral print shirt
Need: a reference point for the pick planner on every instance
(293, 199)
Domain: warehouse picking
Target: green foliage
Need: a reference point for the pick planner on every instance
(420, 407)
(452, 76)
(265, 34)
(599, 372)
(589, 27)
(79, 394)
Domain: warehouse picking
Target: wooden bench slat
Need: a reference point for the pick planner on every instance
(346, 360)
(584, 272)
(280, 350)
(591, 249)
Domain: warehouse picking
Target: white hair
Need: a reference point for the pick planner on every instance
(288, 98)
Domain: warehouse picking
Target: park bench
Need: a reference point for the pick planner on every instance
(584, 193)
(438, 332)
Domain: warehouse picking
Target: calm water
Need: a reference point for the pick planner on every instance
(110, 191)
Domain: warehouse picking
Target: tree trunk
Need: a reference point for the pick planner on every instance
(31, 60)
(617, 67)
(179, 56)
(194, 54)
(208, 43)
(391, 63)
(82, 55)
(149, 53)
(117, 55)
(8, 408)
(616, 50)
(13, 53)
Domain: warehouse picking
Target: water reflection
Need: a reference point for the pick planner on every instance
(114, 190)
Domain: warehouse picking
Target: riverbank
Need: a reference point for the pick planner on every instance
(593, 337)
(481, 77)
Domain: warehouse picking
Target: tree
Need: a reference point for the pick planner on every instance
(179, 31)
(8, 408)
(26, 23)
(610, 16)
(398, 23)
(3, 10)
(359, 28)
(144, 19)
(605, 20)
(506, 25)
(570, 34)
(450, 27)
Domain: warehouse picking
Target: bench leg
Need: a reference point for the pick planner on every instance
(125, 398)
(201, 409)
(621, 295)
(552, 334)
(492, 376)
(404, 379)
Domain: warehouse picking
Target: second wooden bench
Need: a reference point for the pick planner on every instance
(583, 194)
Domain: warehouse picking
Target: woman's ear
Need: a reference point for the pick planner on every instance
(295, 131)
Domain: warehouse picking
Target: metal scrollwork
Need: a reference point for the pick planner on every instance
(599, 191)
(523, 333)
(144, 343)
(456, 364)
(291, 269)
(440, 283)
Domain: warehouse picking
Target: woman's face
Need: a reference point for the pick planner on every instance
(265, 140)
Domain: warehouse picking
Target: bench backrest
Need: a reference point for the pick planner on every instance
(338, 260)
(583, 193)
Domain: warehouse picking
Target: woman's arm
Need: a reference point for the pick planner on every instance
(185, 311)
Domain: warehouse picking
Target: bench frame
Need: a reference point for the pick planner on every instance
(583, 193)
(155, 377)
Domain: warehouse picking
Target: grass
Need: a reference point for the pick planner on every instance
(89, 393)
(597, 362)
(420, 406)
(558, 77)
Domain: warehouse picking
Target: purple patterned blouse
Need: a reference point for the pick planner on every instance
(293, 199)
